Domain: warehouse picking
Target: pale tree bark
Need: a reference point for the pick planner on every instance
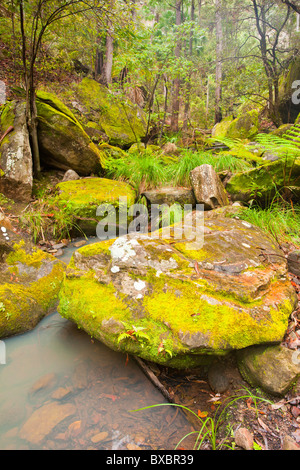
(219, 55)
(176, 82)
(106, 78)
(188, 82)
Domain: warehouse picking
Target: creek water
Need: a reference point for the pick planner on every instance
(59, 389)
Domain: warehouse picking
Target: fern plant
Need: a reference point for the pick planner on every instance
(278, 145)
(134, 334)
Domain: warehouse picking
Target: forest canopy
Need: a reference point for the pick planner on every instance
(189, 63)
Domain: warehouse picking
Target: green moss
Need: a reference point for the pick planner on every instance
(19, 255)
(50, 101)
(26, 305)
(265, 180)
(96, 248)
(121, 121)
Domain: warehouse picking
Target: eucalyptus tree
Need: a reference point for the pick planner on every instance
(271, 24)
(36, 19)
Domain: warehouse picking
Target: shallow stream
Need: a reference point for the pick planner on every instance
(59, 389)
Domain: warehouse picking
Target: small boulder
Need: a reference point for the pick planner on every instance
(208, 188)
(259, 366)
(70, 175)
(244, 439)
(171, 196)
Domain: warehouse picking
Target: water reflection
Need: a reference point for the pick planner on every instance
(59, 389)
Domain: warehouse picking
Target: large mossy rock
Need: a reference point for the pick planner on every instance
(245, 126)
(63, 142)
(263, 182)
(30, 281)
(177, 302)
(15, 154)
(81, 199)
(123, 122)
(289, 110)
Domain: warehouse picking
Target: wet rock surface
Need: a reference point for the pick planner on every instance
(227, 294)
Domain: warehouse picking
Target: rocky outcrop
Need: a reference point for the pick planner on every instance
(15, 154)
(208, 188)
(243, 127)
(64, 144)
(29, 284)
(121, 121)
(178, 302)
(288, 109)
(261, 183)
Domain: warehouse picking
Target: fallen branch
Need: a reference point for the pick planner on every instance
(148, 372)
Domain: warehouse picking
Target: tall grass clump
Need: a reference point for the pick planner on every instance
(143, 170)
(281, 220)
(179, 171)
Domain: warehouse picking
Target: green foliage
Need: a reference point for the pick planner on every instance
(281, 220)
(278, 145)
(44, 219)
(210, 427)
(141, 169)
(179, 171)
(134, 333)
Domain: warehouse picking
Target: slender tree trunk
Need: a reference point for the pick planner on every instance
(31, 112)
(188, 82)
(176, 83)
(109, 52)
(219, 53)
(109, 56)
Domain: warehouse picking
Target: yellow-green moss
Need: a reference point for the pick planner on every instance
(82, 197)
(19, 255)
(23, 306)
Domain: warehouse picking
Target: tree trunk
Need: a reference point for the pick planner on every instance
(219, 52)
(31, 112)
(176, 82)
(188, 82)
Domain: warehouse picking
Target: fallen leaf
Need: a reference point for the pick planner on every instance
(202, 414)
(263, 425)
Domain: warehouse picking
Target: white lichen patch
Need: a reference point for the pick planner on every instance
(140, 285)
(246, 224)
(115, 269)
(123, 249)
(245, 245)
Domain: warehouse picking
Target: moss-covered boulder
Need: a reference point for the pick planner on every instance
(263, 182)
(63, 142)
(82, 198)
(30, 281)
(259, 366)
(245, 126)
(179, 302)
(123, 122)
(288, 108)
(15, 153)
